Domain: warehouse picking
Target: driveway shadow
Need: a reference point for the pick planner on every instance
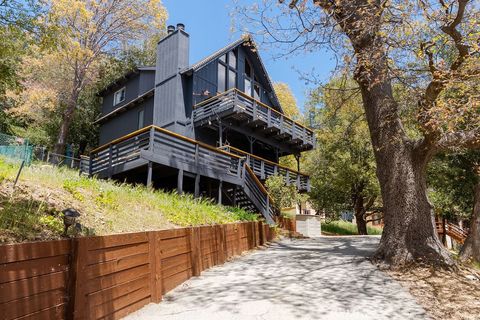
(322, 278)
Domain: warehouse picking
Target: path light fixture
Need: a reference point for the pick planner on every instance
(69, 217)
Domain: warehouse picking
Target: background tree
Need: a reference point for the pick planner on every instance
(342, 167)
(18, 28)
(290, 108)
(471, 248)
(451, 182)
(432, 48)
(287, 100)
(87, 31)
(283, 195)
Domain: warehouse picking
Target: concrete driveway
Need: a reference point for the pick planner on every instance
(321, 278)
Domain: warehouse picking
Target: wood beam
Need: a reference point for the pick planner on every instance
(149, 174)
(197, 186)
(180, 181)
(220, 187)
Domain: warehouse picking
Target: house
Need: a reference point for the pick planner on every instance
(214, 128)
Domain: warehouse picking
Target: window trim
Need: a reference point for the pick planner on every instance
(115, 102)
(141, 120)
(228, 68)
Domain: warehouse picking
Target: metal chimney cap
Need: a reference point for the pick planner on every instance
(180, 26)
(170, 29)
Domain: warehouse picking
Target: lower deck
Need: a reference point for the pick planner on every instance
(163, 159)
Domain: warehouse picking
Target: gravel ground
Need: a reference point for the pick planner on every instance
(321, 278)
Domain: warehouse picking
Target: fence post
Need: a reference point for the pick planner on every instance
(78, 302)
(261, 233)
(220, 241)
(155, 267)
(195, 250)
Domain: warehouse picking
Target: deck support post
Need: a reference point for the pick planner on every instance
(235, 195)
(149, 174)
(220, 186)
(252, 141)
(220, 133)
(197, 185)
(180, 181)
(110, 161)
(297, 157)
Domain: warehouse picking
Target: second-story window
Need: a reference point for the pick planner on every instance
(119, 96)
(141, 115)
(227, 71)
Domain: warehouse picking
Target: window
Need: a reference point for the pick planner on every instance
(232, 79)
(227, 72)
(119, 96)
(248, 86)
(232, 59)
(248, 68)
(140, 119)
(256, 91)
(222, 83)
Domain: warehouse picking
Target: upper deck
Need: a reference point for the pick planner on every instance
(239, 110)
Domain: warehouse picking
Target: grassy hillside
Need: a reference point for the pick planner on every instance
(33, 210)
(340, 227)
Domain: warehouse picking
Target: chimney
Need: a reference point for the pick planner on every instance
(172, 57)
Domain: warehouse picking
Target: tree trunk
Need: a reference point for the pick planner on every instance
(360, 210)
(471, 247)
(409, 234)
(65, 124)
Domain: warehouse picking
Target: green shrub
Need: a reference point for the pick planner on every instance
(341, 227)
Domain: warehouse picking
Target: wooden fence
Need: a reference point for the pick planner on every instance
(288, 224)
(108, 277)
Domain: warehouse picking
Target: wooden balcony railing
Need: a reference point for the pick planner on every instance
(452, 230)
(235, 100)
(264, 168)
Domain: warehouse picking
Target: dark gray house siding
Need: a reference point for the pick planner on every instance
(126, 122)
(170, 102)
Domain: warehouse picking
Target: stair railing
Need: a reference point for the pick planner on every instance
(258, 194)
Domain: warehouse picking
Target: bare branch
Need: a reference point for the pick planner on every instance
(461, 139)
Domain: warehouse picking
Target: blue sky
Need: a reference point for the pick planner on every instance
(209, 24)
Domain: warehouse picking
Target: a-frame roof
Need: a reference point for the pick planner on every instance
(248, 41)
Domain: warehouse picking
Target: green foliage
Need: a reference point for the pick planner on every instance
(105, 206)
(340, 227)
(283, 196)
(451, 181)
(343, 165)
(28, 219)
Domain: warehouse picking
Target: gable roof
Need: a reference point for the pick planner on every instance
(246, 39)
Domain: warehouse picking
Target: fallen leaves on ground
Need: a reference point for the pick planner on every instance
(444, 294)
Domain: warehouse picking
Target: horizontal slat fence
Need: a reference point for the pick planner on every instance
(34, 280)
(108, 277)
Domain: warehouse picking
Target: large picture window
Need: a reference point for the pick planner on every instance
(227, 71)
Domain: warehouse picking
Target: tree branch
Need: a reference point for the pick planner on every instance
(461, 139)
(440, 79)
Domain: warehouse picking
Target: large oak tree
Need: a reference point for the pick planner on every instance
(430, 47)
